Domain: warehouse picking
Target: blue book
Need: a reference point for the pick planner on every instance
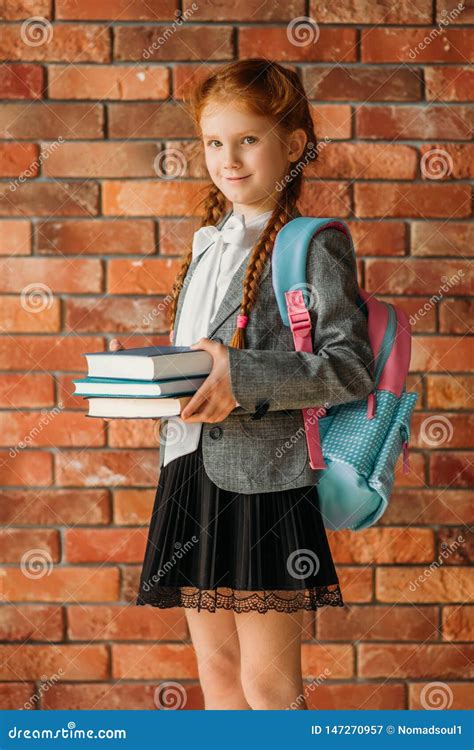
(119, 387)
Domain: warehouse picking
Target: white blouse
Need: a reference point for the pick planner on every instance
(225, 249)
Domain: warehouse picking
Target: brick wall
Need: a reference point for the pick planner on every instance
(90, 239)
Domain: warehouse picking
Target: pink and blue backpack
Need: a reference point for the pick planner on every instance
(356, 444)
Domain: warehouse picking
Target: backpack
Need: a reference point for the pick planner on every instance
(355, 444)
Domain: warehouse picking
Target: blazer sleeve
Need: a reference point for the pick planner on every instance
(340, 369)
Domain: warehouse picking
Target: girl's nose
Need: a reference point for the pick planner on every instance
(231, 160)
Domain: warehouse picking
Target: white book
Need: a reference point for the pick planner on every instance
(149, 363)
(136, 408)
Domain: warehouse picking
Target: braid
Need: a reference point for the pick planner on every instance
(282, 214)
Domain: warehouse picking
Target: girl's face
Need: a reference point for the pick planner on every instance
(247, 157)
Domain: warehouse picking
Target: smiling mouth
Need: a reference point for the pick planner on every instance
(236, 179)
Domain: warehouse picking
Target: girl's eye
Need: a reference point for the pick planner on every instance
(250, 136)
(209, 143)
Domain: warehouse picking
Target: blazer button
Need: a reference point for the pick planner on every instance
(216, 433)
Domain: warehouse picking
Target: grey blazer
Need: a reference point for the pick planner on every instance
(261, 445)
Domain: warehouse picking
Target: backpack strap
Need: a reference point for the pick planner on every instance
(289, 282)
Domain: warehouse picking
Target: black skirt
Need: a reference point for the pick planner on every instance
(212, 549)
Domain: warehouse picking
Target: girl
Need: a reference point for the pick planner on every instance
(236, 530)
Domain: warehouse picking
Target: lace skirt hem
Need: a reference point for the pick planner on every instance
(211, 600)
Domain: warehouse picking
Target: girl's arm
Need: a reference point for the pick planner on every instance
(341, 367)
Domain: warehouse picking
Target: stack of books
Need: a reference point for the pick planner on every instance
(142, 382)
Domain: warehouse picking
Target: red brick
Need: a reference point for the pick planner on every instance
(149, 121)
(278, 43)
(50, 429)
(17, 695)
(364, 12)
(47, 352)
(95, 236)
(424, 506)
(448, 10)
(356, 582)
(19, 317)
(377, 623)
(50, 199)
(141, 276)
(448, 430)
(325, 199)
(429, 584)
(453, 469)
(128, 433)
(51, 121)
(408, 199)
(417, 276)
(421, 312)
(21, 81)
(384, 545)
(111, 159)
(107, 468)
(17, 390)
(268, 10)
(365, 161)
(53, 507)
(414, 660)
(16, 543)
(71, 276)
(441, 353)
(15, 237)
(145, 662)
(132, 507)
(371, 84)
(115, 10)
(108, 82)
(457, 544)
(109, 696)
(29, 622)
(125, 623)
(423, 45)
(457, 696)
(442, 238)
(377, 238)
(176, 235)
(456, 162)
(151, 198)
(336, 660)
(13, 10)
(64, 584)
(116, 315)
(455, 315)
(458, 623)
(104, 545)
(332, 121)
(449, 391)
(453, 84)
(29, 468)
(16, 158)
(151, 44)
(355, 696)
(423, 123)
(75, 662)
(67, 43)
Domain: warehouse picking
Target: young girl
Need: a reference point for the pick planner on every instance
(236, 529)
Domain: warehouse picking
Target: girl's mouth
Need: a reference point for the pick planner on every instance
(236, 179)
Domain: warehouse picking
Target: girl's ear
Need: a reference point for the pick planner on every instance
(296, 144)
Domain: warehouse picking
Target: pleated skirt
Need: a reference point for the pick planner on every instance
(212, 549)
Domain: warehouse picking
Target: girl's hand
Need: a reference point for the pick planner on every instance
(114, 346)
(214, 400)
